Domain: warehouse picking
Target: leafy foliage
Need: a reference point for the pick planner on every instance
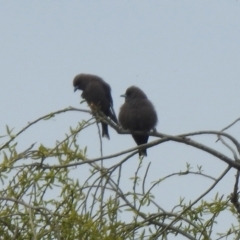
(40, 198)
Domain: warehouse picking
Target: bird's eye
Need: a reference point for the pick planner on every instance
(129, 93)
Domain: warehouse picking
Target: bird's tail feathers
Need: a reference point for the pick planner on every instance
(143, 153)
(141, 139)
(113, 115)
(105, 130)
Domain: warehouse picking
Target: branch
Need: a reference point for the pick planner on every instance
(45, 117)
(234, 195)
(199, 198)
(230, 125)
(55, 225)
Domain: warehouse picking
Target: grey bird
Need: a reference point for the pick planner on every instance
(97, 93)
(137, 114)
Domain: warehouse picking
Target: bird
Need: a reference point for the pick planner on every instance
(137, 114)
(97, 94)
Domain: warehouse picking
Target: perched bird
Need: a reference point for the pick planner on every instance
(97, 93)
(137, 114)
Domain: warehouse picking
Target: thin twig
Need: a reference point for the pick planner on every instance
(199, 198)
(32, 224)
(144, 178)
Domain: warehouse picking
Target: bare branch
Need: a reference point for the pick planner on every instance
(234, 195)
(199, 198)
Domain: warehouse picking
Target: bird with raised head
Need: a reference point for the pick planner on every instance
(137, 114)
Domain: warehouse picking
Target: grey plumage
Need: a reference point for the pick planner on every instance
(137, 114)
(97, 93)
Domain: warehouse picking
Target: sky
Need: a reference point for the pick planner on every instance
(184, 54)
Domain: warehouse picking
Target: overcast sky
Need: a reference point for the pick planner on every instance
(184, 54)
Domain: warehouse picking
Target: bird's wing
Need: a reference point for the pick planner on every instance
(107, 90)
(112, 114)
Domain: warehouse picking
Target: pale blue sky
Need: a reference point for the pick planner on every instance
(184, 54)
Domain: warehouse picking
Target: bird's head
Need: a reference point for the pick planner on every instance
(133, 93)
(80, 81)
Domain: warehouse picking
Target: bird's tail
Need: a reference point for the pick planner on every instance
(141, 139)
(105, 130)
(112, 114)
(143, 152)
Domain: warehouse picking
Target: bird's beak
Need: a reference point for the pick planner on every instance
(75, 88)
(123, 95)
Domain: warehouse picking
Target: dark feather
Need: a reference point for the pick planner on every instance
(138, 114)
(97, 93)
